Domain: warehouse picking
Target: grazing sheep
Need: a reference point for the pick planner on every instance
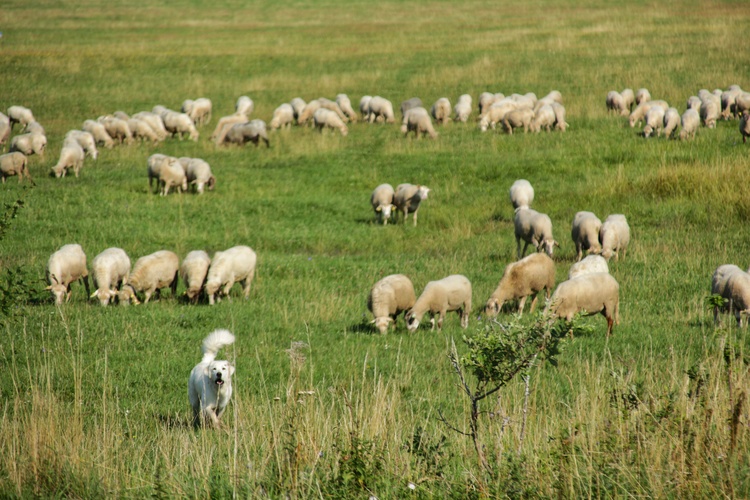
(142, 130)
(589, 264)
(408, 198)
(521, 279)
(745, 125)
(729, 102)
(616, 102)
(29, 144)
(462, 109)
(332, 106)
(388, 298)
(614, 236)
(230, 266)
(671, 122)
(535, 229)
(709, 113)
(66, 265)
(742, 103)
(85, 140)
(560, 123)
(452, 293)
(364, 107)
(244, 106)
(154, 121)
(35, 128)
(150, 274)
(225, 124)
(382, 202)
(12, 164)
(100, 134)
(414, 102)
(737, 292)
(110, 270)
(71, 156)
(588, 294)
(693, 102)
(486, 99)
(418, 120)
(172, 173)
(252, 131)
(309, 110)
(585, 233)
(21, 115)
(298, 104)
(690, 121)
(496, 113)
(544, 118)
(719, 281)
(380, 107)
(4, 130)
(518, 118)
(155, 162)
(643, 95)
(654, 121)
(343, 102)
(198, 110)
(199, 175)
(521, 194)
(193, 271)
(179, 124)
(326, 118)
(283, 116)
(117, 129)
(441, 111)
(122, 115)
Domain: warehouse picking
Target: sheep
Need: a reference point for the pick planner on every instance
(364, 107)
(588, 294)
(414, 102)
(198, 110)
(332, 106)
(522, 279)
(85, 140)
(150, 274)
(388, 298)
(283, 116)
(140, 129)
(172, 173)
(298, 104)
(110, 270)
(244, 106)
(117, 129)
(12, 164)
(559, 110)
(252, 131)
(100, 134)
(518, 118)
(544, 118)
(326, 118)
(227, 267)
(179, 124)
(224, 124)
(693, 102)
(66, 265)
(615, 102)
(533, 228)
(629, 98)
(690, 121)
(381, 108)
(35, 128)
(342, 100)
(408, 198)
(193, 271)
(441, 111)
(614, 236)
(29, 144)
(486, 99)
(199, 175)
(709, 113)
(155, 162)
(154, 121)
(496, 113)
(122, 115)
(590, 264)
(643, 95)
(737, 292)
(671, 122)
(452, 293)
(21, 115)
(521, 194)
(719, 281)
(585, 233)
(418, 120)
(382, 202)
(728, 102)
(742, 103)
(309, 110)
(745, 125)
(71, 156)
(654, 121)
(462, 109)
(4, 130)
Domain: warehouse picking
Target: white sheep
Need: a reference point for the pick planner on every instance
(225, 124)
(29, 144)
(729, 100)
(100, 134)
(66, 265)
(693, 102)
(364, 107)
(737, 292)
(418, 121)
(110, 270)
(462, 109)
(585, 233)
(614, 236)
(690, 121)
(388, 298)
(654, 121)
(408, 104)
(496, 112)
(486, 99)
(193, 271)
(35, 128)
(308, 111)
(709, 113)
(742, 103)
(643, 95)
(589, 264)
(233, 265)
(333, 106)
(122, 115)
(4, 130)
(629, 97)
(85, 140)
(12, 164)
(150, 274)
(544, 118)
(21, 115)
(535, 229)
(452, 293)
(155, 162)
(522, 279)
(408, 198)
(283, 117)
(140, 129)
(745, 125)
(199, 174)
(343, 102)
(198, 110)
(671, 122)
(382, 202)
(179, 124)
(518, 118)
(560, 123)
(154, 121)
(719, 281)
(616, 102)
(521, 194)
(244, 106)
(172, 173)
(588, 294)
(71, 156)
(325, 118)
(441, 111)
(380, 107)
(298, 105)
(117, 129)
(252, 131)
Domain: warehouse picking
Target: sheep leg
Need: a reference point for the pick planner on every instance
(464, 312)
(246, 287)
(227, 288)
(522, 303)
(441, 318)
(609, 324)
(415, 217)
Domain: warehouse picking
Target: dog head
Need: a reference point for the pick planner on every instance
(219, 372)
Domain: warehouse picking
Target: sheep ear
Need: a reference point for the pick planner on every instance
(48, 288)
(556, 243)
(96, 292)
(372, 322)
(379, 209)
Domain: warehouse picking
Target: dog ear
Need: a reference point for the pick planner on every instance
(231, 369)
(207, 370)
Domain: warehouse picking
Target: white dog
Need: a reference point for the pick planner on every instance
(210, 384)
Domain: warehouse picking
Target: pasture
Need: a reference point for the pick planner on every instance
(94, 400)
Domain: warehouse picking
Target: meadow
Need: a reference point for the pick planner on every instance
(94, 400)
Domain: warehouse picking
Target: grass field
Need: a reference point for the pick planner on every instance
(94, 399)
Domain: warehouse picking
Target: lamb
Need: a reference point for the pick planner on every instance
(150, 274)
(71, 156)
(140, 129)
(21, 115)
(252, 131)
(719, 282)
(199, 174)
(614, 236)
(381, 108)
(298, 104)
(745, 125)
(154, 121)
(452, 293)
(521, 194)
(709, 113)
(326, 118)
(671, 122)
(518, 118)
(179, 124)
(589, 264)
(690, 121)
(85, 140)
(441, 111)
(283, 116)
(544, 118)
(522, 279)
(408, 197)
(309, 110)
(533, 228)
(244, 106)
(462, 109)
(198, 110)
(100, 134)
(418, 120)
(228, 267)
(225, 124)
(66, 265)
(588, 294)
(585, 233)
(364, 107)
(654, 121)
(414, 102)
(117, 129)
(382, 202)
(29, 144)
(110, 270)
(12, 164)
(193, 272)
(560, 123)
(343, 102)
(643, 95)
(171, 173)
(388, 298)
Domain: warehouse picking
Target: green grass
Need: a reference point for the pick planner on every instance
(94, 399)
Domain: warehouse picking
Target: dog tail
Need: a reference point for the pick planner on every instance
(214, 342)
